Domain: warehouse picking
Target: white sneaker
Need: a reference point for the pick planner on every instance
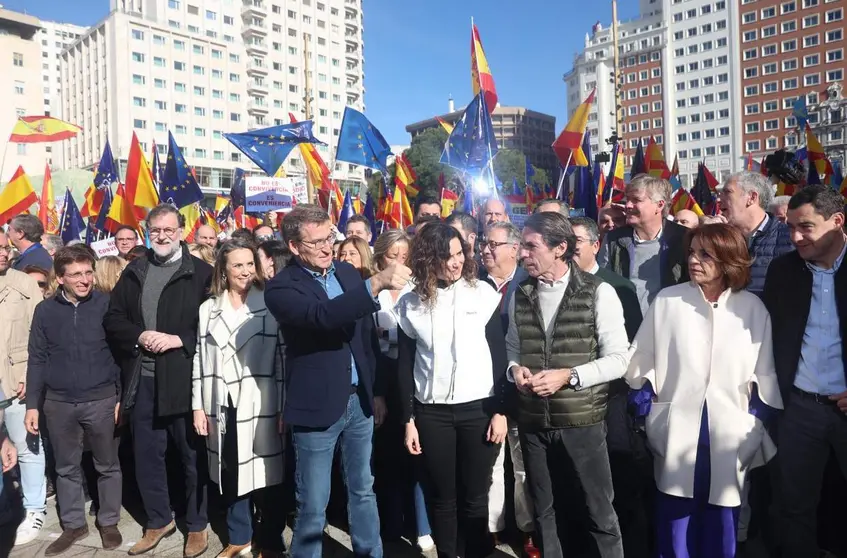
(29, 528)
(426, 543)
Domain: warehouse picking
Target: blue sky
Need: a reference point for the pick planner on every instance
(417, 52)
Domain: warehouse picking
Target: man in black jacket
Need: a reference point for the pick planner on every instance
(806, 295)
(73, 378)
(152, 321)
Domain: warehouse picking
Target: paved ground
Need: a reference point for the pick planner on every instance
(336, 543)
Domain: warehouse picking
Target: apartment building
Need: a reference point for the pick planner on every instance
(202, 68)
(21, 93)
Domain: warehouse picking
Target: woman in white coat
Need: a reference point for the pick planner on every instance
(703, 362)
(237, 399)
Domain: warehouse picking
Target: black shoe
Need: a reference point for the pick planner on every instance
(51, 489)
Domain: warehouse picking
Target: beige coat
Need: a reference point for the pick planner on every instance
(239, 356)
(694, 352)
(19, 295)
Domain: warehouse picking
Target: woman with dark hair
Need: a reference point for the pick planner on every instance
(273, 255)
(451, 367)
(237, 399)
(703, 362)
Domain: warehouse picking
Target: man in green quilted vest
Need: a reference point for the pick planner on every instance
(566, 341)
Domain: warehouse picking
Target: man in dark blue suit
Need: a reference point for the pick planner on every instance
(324, 311)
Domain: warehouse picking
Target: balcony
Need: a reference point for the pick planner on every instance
(255, 123)
(353, 72)
(255, 47)
(252, 8)
(255, 28)
(254, 67)
(257, 107)
(256, 86)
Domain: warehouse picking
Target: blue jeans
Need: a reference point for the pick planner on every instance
(313, 451)
(30, 459)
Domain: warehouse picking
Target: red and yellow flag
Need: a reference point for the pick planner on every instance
(37, 129)
(655, 161)
(47, 206)
(121, 213)
(449, 199)
(683, 200)
(316, 170)
(568, 146)
(405, 175)
(481, 77)
(446, 125)
(401, 212)
(139, 189)
(243, 221)
(16, 197)
(93, 202)
(816, 153)
(192, 215)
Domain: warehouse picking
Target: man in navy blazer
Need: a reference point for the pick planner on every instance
(324, 311)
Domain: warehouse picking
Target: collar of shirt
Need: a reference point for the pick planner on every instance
(318, 274)
(35, 246)
(835, 265)
(499, 286)
(762, 225)
(595, 268)
(638, 240)
(563, 280)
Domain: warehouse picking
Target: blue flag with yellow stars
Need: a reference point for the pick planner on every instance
(471, 145)
(71, 225)
(100, 223)
(178, 186)
(360, 143)
(269, 147)
(106, 170)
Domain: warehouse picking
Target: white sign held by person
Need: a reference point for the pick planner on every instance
(105, 247)
(265, 193)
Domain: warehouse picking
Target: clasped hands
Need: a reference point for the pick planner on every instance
(157, 342)
(543, 384)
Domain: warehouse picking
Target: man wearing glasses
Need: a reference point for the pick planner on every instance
(125, 240)
(325, 310)
(152, 322)
(19, 295)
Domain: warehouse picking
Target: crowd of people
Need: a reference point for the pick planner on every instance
(660, 385)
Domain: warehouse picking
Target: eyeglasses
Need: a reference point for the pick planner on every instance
(42, 284)
(493, 245)
(319, 244)
(168, 232)
(264, 237)
(6, 249)
(79, 275)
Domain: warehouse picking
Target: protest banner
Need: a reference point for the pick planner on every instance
(105, 247)
(274, 194)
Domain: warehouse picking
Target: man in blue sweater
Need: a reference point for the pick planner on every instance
(75, 381)
(25, 232)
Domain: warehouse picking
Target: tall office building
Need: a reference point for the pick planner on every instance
(202, 68)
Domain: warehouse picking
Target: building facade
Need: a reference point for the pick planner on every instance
(21, 94)
(515, 128)
(202, 68)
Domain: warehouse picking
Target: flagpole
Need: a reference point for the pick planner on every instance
(562, 176)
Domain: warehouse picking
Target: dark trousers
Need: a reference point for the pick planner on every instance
(68, 424)
(458, 461)
(575, 462)
(151, 436)
(808, 432)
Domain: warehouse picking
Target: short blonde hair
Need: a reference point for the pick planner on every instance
(386, 242)
(364, 250)
(107, 272)
(657, 189)
(202, 251)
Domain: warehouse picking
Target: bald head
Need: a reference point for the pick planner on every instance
(494, 211)
(687, 218)
(206, 235)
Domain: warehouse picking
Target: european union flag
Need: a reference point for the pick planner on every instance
(639, 165)
(90, 233)
(530, 172)
(100, 224)
(347, 211)
(71, 225)
(224, 214)
(585, 189)
(471, 146)
(178, 186)
(800, 111)
(813, 176)
(269, 147)
(106, 173)
(156, 168)
(837, 176)
(360, 143)
(370, 214)
(467, 200)
(237, 193)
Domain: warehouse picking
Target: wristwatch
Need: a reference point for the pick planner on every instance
(573, 381)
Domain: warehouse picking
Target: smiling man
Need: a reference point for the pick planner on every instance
(76, 404)
(125, 240)
(649, 250)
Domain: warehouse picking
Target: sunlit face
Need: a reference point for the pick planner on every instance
(397, 254)
(781, 213)
(469, 236)
(42, 280)
(359, 230)
(125, 241)
(78, 279)
(428, 209)
(315, 247)
(536, 257)
(240, 270)
(451, 270)
(702, 267)
(687, 219)
(165, 235)
(733, 202)
(640, 209)
(497, 251)
(5, 252)
(585, 251)
(348, 253)
(610, 218)
(16, 236)
(206, 235)
(495, 212)
(267, 264)
(811, 233)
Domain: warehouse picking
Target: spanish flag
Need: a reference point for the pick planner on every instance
(449, 199)
(481, 77)
(316, 169)
(191, 213)
(816, 153)
(404, 175)
(568, 146)
(401, 212)
(446, 125)
(683, 200)
(47, 206)
(121, 212)
(655, 159)
(139, 189)
(16, 197)
(36, 129)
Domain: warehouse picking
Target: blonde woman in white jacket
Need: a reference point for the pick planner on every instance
(237, 399)
(703, 361)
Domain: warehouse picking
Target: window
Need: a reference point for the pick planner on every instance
(811, 21)
(19, 88)
(139, 101)
(835, 75)
(234, 78)
(682, 137)
(768, 13)
(199, 153)
(789, 65)
(218, 114)
(835, 55)
(834, 35)
(789, 84)
(751, 109)
(199, 70)
(234, 117)
(789, 26)
(179, 87)
(788, 7)
(139, 124)
(771, 106)
(200, 132)
(772, 124)
(753, 145)
(707, 46)
(768, 69)
(811, 41)
(681, 120)
(199, 90)
(159, 62)
(834, 15)
(750, 35)
(161, 127)
(179, 66)
(749, 17)
(235, 97)
(217, 74)
(179, 45)
(724, 149)
(723, 132)
(723, 95)
(138, 35)
(234, 58)
(751, 53)
(680, 103)
(160, 105)
(173, 4)
(751, 90)
(710, 150)
(159, 40)
(136, 57)
(193, 10)
(137, 79)
(769, 31)
(198, 49)
(199, 111)
(811, 60)
(211, 16)
(789, 46)
(180, 108)
(723, 113)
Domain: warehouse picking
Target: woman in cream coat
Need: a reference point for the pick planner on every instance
(703, 362)
(237, 399)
